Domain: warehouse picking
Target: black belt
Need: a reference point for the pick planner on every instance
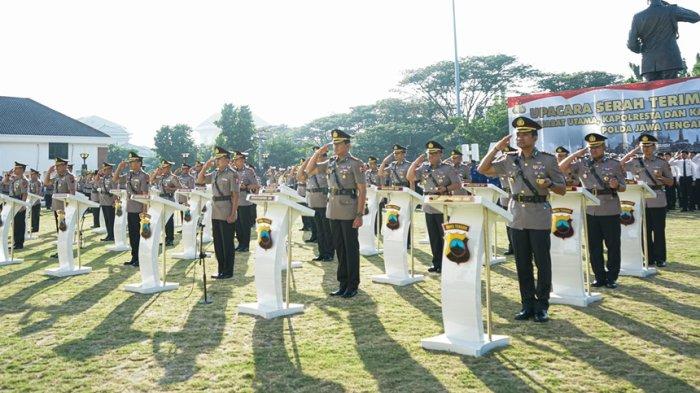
(166, 195)
(530, 198)
(435, 193)
(221, 198)
(322, 190)
(656, 187)
(608, 191)
(400, 184)
(338, 191)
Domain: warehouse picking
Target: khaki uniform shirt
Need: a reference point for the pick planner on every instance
(187, 181)
(464, 173)
(224, 183)
(36, 188)
(247, 178)
(136, 184)
(505, 186)
(167, 185)
(343, 174)
(431, 178)
(397, 173)
(607, 168)
(104, 184)
(317, 191)
(19, 186)
(529, 215)
(372, 177)
(655, 166)
(61, 185)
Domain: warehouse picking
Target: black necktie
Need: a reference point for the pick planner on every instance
(685, 172)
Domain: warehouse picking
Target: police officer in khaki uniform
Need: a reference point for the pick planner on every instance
(317, 199)
(603, 177)
(462, 169)
(307, 222)
(504, 201)
(394, 167)
(372, 173)
(532, 174)
(94, 197)
(36, 187)
(226, 189)
(436, 178)
(562, 153)
(63, 182)
(103, 184)
(137, 183)
(248, 185)
(656, 172)
(186, 180)
(19, 187)
(346, 205)
(167, 183)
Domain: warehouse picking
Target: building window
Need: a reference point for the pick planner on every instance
(58, 150)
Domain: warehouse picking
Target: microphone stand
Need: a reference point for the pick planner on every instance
(202, 259)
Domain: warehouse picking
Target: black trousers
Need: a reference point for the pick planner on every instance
(19, 227)
(222, 233)
(660, 75)
(243, 224)
(323, 233)
(48, 198)
(133, 222)
(510, 239)
(436, 235)
(308, 222)
(685, 192)
(95, 216)
(108, 212)
(696, 195)
(604, 229)
(656, 233)
(671, 196)
(529, 243)
(170, 230)
(347, 247)
(36, 213)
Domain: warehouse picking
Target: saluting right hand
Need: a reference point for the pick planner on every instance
(503, 143)
(209, 163)
(322, 150)
(581, 152)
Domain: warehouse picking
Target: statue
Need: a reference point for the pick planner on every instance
(654, 33)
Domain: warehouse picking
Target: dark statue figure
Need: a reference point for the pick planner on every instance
(654, 33)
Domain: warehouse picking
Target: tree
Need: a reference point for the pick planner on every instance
(578, 80)
(696, 67)
(172, 142)
(483, 130)
(116, 154)
(636, 75)
(237, 130)
(483, 79)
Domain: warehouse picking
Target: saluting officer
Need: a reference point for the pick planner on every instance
(562, 153)
(436, 178)
(36, 187)
(187, 181)
(346, 205)
(603, 177)
(63, 182)
(226, 189)
(532, 175)
(19, 187)
(372, 173)
(462, 169)
(656, 172)
(394, 167)
(94, 197)
(248, 181)
(317, 199)
(166, 183)
(504, 201)
(137, 183)
(103, 184)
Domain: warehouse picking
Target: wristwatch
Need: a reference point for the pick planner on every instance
(358, 215)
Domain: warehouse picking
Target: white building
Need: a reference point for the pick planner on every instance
(207, 132)
(119, 134)
(35, 135)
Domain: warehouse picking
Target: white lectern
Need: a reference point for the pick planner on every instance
(491, 193)
(634, 261)
(68, 220)
(464, 254)
(10, 207)
(196, 198)
(207, 236)
(291, 195)
(570, 262)
(121, 242)
(401, 203)
(152, 232)
(367, 238)
(102, 229)
(28, 234)
(274, 249)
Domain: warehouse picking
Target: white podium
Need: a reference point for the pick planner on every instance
(121, 242)
(569, 250)
(291, 195)
(73, 209)
(273, 249)
(31, 198)
(159, 212)
(491, 193)
(10, 207)
(633, 238)
(102, 229)
(207, 236)
(196, 198)
(401, 203)
(367, 238)
(465, 252)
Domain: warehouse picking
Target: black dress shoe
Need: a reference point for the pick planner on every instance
(313, 239)
(652, 263)
(18, 247)
(327, 259)
(216, 276)
(349, 293)
(169, 244)
(433, 269)
(318, 258)
(661, 264)
(128, 263)
(135, 264)
(524, 315)
(243, 249)
(541, 316)
(509, 252)
(339, 292)
(611, 285)
(55, 255)
(598, 284)
(225, 276)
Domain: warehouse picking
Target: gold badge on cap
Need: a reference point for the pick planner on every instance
(335, 134)
(645, 138)
(520, 122)
(430, 145)
(591, 138)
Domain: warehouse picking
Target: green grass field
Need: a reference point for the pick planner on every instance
(85, 333)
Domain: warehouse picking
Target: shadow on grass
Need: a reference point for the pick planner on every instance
(275, 370)
(662, 282)
(651, 296)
